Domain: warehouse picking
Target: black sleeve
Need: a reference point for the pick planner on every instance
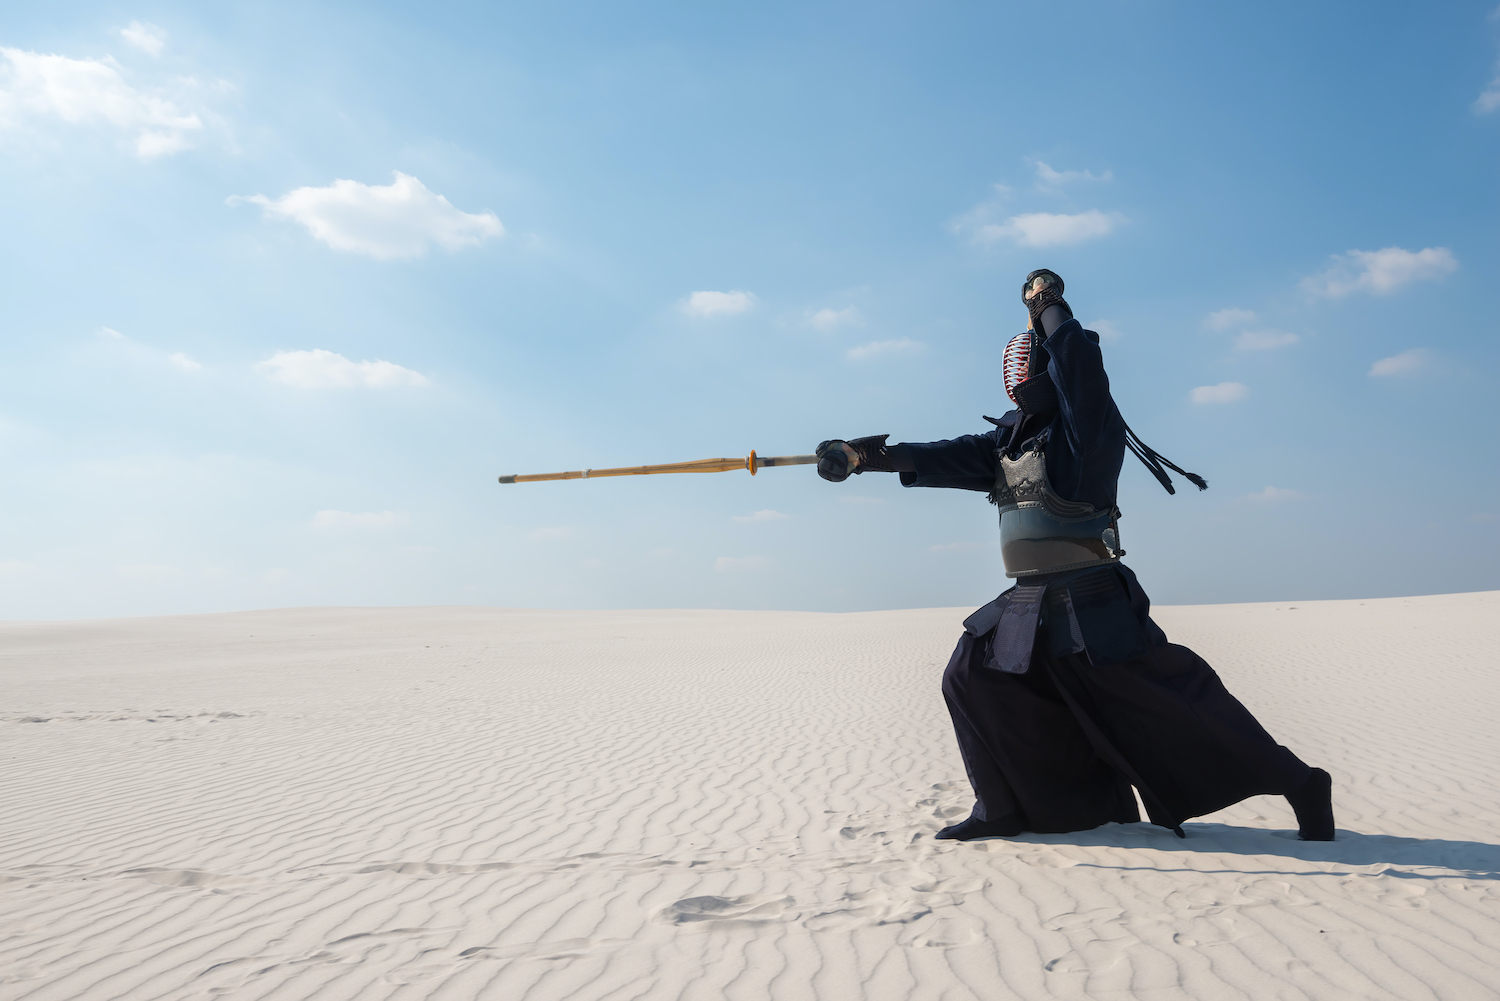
(1077, 368)
(966, 463)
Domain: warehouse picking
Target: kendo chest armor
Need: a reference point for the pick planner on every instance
(1040, 532)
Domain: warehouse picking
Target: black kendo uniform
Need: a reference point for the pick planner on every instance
(1063, 692)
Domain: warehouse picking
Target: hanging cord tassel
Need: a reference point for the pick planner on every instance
(1154, 460)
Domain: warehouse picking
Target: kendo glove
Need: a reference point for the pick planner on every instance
(1041, 289)
(838, 458)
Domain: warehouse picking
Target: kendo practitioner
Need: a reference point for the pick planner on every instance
(1063, 692)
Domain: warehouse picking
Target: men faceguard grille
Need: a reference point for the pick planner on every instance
(1017, 362)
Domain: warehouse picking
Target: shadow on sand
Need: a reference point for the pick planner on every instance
(1374, 852)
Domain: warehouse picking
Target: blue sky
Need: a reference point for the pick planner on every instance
(285, 287)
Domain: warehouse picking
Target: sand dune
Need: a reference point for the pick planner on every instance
(477, 803)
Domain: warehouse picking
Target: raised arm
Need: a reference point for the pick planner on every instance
(1077, 369)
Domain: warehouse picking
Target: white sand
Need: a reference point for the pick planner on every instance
(475, 803)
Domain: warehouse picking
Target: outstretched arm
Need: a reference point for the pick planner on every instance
(967, 463)
(964, 463)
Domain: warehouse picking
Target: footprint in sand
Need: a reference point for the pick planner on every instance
(866, 908)
(749, 909)
(423, 869)
(1093, 957)
(1099, 917)
(1386, 891)
(192, 878)
(440, 962)
(562, 949)
(233, 974)
(946, 932)
(32, 875)
(1208, 931)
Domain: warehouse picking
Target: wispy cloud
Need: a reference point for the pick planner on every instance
(1264, 340)
(1381, 272)
(1047, 229)
(1106, 330)
(717, 303)
(147, 37)
(388, 222)
(1048, 178)
(1224, 319)
(766, 515)
(983, 225)
(135, 349)
(359, 520)
(1489, 98)
(551, 532)
(1273, 495)
(1404, 363)
(319, 369)
(735, 564)
(1224, 392)
(43, 87)
(828, 319)
(875, 349)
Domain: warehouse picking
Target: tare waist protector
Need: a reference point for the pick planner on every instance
(1040, 532)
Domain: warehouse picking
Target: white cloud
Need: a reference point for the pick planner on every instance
(827, 319)
(717, 303)
(1271, 495)
(1381, 271)
(1224, 392)
(85, 91)
(732, 564)
(1106, 330)
(766, 515)
(547, 534)
(183, 362)
(1404, 363)
(1046, 229)
(398, 220)
(147, 37)
(319, 369)
(875, 349)
(1264, 340)
(1489, 98)
(1223, 319)
(1048, 178)
(362, 520)
(111, 333)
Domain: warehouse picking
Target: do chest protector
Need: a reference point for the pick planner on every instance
(1042, 533)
